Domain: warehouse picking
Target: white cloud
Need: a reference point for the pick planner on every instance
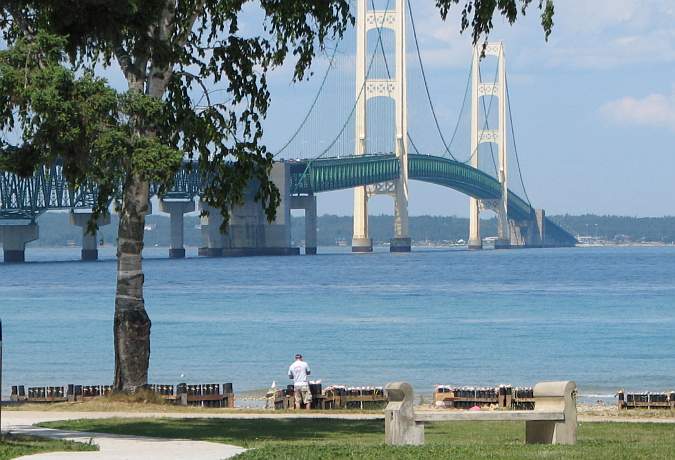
(653, 110)
(588, 34)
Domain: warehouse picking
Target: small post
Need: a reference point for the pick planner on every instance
(181, 394)
(554, 397)
(400, 428)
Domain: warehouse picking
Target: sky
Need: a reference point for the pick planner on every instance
(594, 107)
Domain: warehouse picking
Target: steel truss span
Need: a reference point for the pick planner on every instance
(47, 189)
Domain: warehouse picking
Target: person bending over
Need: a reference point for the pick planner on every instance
(298, 372)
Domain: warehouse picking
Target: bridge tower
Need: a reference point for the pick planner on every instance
(482, 136)
(394, 88)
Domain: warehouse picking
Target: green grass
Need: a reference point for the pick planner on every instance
(12, 446)
(335, 439)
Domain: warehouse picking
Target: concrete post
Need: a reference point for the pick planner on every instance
(540, 216)
(14, 235)
(81, 218)
(554, 397)
(177, 208)
(400, 428)
(311, 227)
(308, 204)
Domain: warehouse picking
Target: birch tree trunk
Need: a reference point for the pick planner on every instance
(132, 324)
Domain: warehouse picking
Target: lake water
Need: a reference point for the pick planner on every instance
(604, 317)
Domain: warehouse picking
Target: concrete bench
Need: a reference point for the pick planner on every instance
(553, 420)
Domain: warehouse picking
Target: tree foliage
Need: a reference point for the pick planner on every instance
(176, 52)
(477, 15)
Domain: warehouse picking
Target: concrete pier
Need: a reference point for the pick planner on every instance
(362, 245)
(14, 234)
(249, 233)
(81, 218)
(308, 204)
(503, 244)
(177, 208)
(214, 240)
(400, 245)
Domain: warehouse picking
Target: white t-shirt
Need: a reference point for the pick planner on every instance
(298, 372)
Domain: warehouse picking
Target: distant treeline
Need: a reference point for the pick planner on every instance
(55, 229)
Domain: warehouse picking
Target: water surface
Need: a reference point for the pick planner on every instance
(604, 317)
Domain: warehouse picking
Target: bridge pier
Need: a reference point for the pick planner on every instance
(400, 245)
(14, 235)
(177, 208)
(81, 218)
(214, 239)
(475, 240)
(536, 234)
(249, 233)
(308, 204)
(519, 232)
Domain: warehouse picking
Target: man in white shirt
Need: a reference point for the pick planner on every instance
(298, 372)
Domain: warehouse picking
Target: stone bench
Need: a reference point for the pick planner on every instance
(553, 420)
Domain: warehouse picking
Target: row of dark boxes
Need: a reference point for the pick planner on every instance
(502, 396)
(203, 395)
(646, 400)
(332, 397)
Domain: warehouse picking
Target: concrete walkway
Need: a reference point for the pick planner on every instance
(112, 447)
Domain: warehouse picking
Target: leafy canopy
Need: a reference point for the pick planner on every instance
(172, 53)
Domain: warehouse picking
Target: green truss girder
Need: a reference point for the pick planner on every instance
(322, 175)
(48, 189)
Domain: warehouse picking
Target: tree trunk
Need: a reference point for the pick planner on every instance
(132, 324)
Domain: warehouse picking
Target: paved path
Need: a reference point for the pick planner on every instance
(112, 447)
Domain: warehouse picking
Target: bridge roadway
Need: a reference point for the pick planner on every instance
(22, 200)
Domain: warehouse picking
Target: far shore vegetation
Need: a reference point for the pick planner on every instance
(55, 230)
(301, 439)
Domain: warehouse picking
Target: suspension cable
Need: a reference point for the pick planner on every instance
(426, 84)
(356, 102)
(314, 103)
(515, 145)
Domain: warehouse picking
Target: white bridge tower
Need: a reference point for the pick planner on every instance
(481, 136)
(394, 88)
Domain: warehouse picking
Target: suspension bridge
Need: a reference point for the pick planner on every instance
(355, 135)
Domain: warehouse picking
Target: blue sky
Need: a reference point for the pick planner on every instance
(594, 108)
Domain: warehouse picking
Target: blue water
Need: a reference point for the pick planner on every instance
(604, 317)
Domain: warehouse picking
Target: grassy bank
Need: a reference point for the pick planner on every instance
(329, 439)
(15, 446)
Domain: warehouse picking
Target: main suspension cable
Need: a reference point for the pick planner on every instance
(314, 103)
(426, 85)
(515, 145)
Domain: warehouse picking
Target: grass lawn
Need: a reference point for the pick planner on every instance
(331, 439)
(15, 446)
